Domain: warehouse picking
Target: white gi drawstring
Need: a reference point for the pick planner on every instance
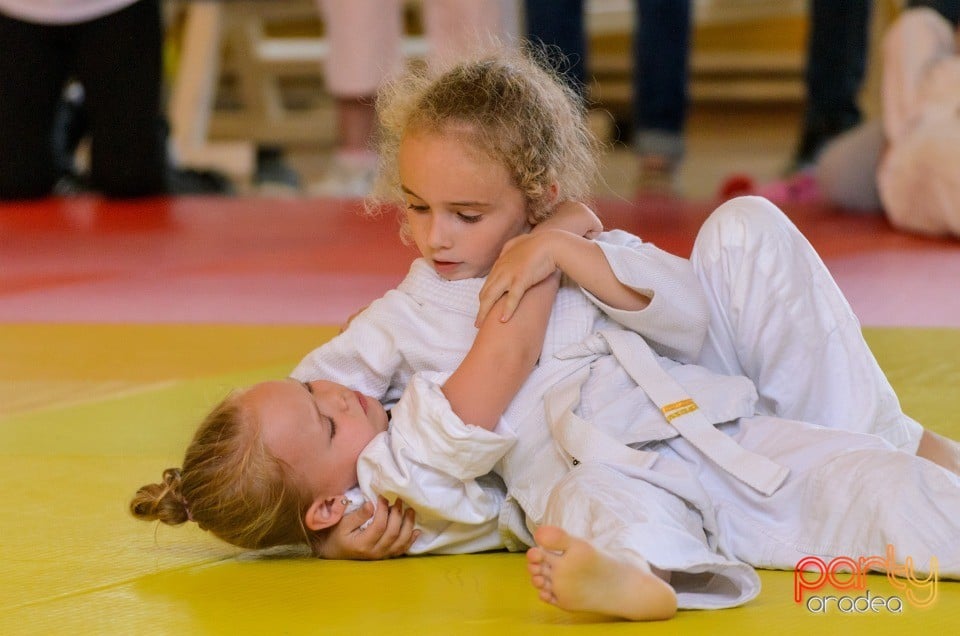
(581, 441)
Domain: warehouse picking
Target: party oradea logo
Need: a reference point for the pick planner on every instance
(840, 585)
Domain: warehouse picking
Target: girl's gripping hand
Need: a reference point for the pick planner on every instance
(389, 534)
(525, 261)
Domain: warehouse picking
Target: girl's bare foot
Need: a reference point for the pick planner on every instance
(573, 575)
(940, 450)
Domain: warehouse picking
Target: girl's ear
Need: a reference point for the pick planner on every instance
(552, 192)
(324, 513)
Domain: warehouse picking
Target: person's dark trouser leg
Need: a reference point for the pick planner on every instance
(661, 47)
(32, 74)
(119, 65)
(836, 61)
(559, 23)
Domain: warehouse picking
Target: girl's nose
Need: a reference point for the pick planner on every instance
(439, 234)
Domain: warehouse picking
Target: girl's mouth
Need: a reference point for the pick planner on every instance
(444, 266)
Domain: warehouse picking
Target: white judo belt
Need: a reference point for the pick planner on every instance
(582, 442)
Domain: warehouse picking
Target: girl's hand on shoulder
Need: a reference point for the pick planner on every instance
(524, 261)
(389, 534)
(574, 217)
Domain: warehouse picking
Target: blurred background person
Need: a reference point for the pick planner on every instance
(660, 52)
(112, 48)
(365, 38)
(836, 63)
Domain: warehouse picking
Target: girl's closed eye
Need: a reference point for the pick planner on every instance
(417, 208)
(333, 427)
(469, 218)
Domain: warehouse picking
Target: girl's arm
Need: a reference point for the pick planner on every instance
(529, 258)
(573, 217)
(676, 320)
(502, 356)
(479, 391)
(569, 216)
(647, 290)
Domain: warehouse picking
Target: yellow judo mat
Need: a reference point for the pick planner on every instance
(89, 412)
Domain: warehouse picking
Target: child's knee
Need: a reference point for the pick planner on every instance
(747, 212)
(740, 223)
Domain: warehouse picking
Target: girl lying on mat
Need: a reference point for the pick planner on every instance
(643, 481)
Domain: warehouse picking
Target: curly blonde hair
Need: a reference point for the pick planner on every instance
(513, 109)
(232, 486)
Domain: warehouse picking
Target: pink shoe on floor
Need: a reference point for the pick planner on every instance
(798, 188)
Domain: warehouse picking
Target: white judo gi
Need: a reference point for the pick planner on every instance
(440, 467)
(560, 449)
(427, 325)
(771, 311)
(846, 494)
(427, 322)
(778, 317)
(757, 301)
